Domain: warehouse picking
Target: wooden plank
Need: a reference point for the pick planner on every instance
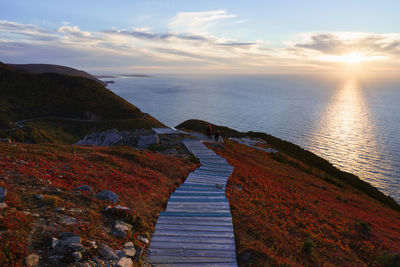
(194, 209)
(193, 185)
(188, 197)
(191, 252)
(179, 259)
(198, 264)
(200, 190)
(211, 228)
(191, 245)
(195, 233)
(194, 222)
(202, 205)
(192, 194)
(195, 200)
(192, 239)
(214, 189)
(196, 214)
(191, 218)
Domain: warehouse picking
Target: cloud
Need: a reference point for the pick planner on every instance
(198, 22)
(338, 43)
(191, 48)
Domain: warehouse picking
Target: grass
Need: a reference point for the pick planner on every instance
(142, 179)
(284, 216)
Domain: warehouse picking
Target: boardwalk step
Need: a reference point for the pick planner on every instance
(191, 245)
(192, 252)
(211, 228)
(180, 259)
(196, 214)
(193, 222)
(192, 239)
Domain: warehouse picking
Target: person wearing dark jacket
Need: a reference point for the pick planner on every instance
(217, 136)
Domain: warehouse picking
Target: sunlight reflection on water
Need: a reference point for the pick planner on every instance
(348, 127)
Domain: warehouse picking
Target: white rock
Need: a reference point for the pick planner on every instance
(124, 262)
(143, 239)
(122, 226)
(32, 260)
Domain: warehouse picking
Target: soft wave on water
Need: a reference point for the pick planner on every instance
(352, 123)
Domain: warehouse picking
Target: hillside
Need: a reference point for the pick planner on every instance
(56, 96)
(49, 68)
(305, 156)
(293, 208)
(41, 202)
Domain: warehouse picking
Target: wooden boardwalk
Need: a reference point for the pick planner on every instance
(196, 227)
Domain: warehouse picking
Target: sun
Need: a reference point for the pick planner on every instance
(353, 58)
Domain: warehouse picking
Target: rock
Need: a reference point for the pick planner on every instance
(32, 260)
(77, 256)
(92, 244)
(90, 264)
(76, 210)
(68, 244)
(3, 205)
(107, 253)
(120, 253)
(82, 188)
(130, 251)
(143, 239)
(122, 225)
(124, 262)
(68, 220)
(118, 207)
(128, 244)
(3, 193)
(147, 140)
(118, 233)
(38, 196)
(107, 195)
(59, 209)
(54, 242)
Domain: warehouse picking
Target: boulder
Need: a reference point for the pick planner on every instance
(107, 195)
(147, 140)
(32, 260)
(82, 188)
(107, 253)
(122, 225)
(118, 233)
(68, 244)
(124, 262)
(130, 251)
(3, 193)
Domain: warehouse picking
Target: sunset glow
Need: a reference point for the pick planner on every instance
(209, 38)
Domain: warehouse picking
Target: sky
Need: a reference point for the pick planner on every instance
(204, 36)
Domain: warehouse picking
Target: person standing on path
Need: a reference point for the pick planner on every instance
(209, 132)
(216, 136)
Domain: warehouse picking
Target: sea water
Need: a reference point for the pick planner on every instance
(354, 123)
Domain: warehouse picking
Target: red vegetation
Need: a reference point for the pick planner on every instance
(283, 214)
(143, 181)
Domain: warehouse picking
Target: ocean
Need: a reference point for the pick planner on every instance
(354, 123)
